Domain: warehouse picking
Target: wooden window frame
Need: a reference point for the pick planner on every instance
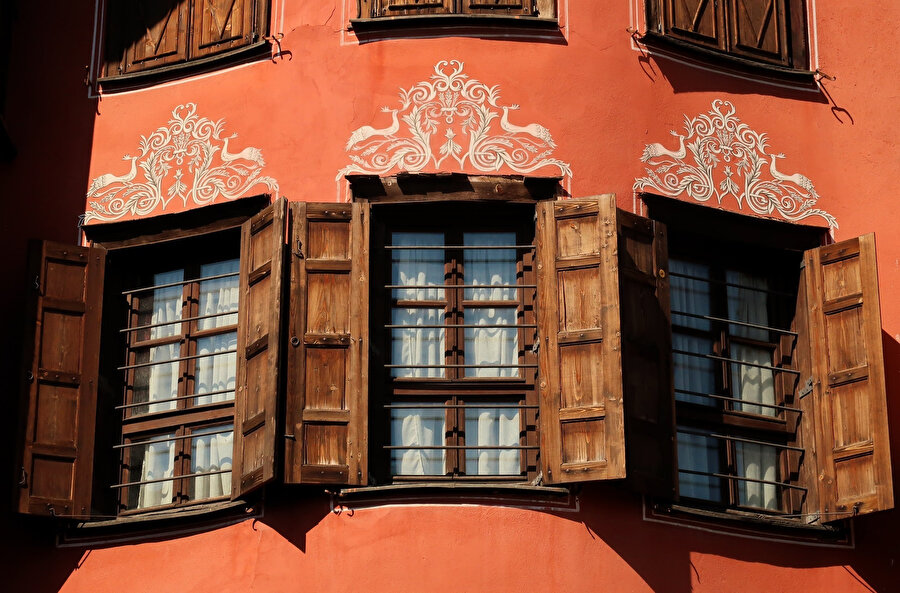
(387, 13)
(121, 63)
(454, 390)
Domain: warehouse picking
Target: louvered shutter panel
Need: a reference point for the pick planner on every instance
(154, 32)
(411, 7)
(852, 448)
(61, 375)
(697, 21)
(259, 364)
(328, 353)
(759, 29)
(580, 363)
(220, 25)
(498, 7)
(646, 354)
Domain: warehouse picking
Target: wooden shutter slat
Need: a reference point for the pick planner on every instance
(61, 379)
(647, 354)
(580, 380)
(258, 348)
(327, 389)
(220, 25)
(498, 7)
(155, 34)
(697, 21)
(852, 455)
(387, 8)
(758, 29)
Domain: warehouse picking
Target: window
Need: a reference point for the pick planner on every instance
(152, 34)
(457, 327)
(760, 31)
(386, 9)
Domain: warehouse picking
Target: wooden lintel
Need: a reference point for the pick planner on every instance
(426, 187)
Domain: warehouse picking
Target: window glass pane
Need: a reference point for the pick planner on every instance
(690, 295)
(417, 346)
(215, 374)
(418, 427)
(694, 375)
(158, 381)
(491, 427)
(699, 453)
(491, 345)
(758, 462)
(146, 463)
(211, 450)
(218, 296)
(490, 267)
(417, 267)
(160, 305)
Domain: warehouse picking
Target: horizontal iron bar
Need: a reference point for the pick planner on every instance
(441, 406)
(169, 439)
(741, 478)
(737, 361)
(186, 319)
(735, 322)
(173, 399)
(732, 284)
(738, 400)
(427, 286)
(456, 447)
(458, 325)
(414, 247)
(179, 283)
(171, 479)
(192, 357)
(726, 437)
(460, 366)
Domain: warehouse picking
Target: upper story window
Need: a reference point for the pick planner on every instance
(386, 10)
(770, 32)
(149, 35)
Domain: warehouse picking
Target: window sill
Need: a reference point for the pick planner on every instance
(144, 78)
(728, 62)
(516, 495)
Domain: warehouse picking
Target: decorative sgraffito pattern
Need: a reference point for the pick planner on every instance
(727, 158)
(451, 120)
(187, 159)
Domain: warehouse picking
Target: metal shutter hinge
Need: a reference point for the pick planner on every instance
(806, 389)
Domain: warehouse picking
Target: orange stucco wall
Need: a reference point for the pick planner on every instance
(603, 100)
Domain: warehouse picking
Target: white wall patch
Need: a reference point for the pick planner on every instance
(718, 156)
(189, 159)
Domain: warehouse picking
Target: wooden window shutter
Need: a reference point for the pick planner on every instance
(852, 455)
(259, 364)
(61, 372)
(327, 403)
(498, 7)
(410, 7)
(579, 360)
(646, 354)
(758, 29)
(220, 25)
(154, 33)
(697, 21)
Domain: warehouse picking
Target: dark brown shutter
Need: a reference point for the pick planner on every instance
(852, 448)
(497, 7)
(259, 353)
(580, 362)
(152, 33)
(328, 353)
(61, 366)
(410, 7)
(646, 354)
(220, 25)
(758, 29)
(697, 21)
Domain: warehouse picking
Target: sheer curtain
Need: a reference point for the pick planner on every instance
(492, 426)
(418, 427)
(211, 450)
(159, 381)
(156, 460)
(752, 384)
(216, 374)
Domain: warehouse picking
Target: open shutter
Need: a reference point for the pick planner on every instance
(220, 25)
(759, 30)
(851, 433)
(580, 362)
(258, 348)
(328, 356)
(61, 375)
(497, 7)
(696, 21)
(146, 33)
(646, 354)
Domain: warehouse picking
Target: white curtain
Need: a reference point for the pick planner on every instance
(421, 269)
(157, 461)
(488, 269)
(493, 426)
(417, 427)
(217, 373)
(160, 381)
(757, 462)
(211, 450)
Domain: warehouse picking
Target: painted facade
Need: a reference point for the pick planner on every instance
(586, 102)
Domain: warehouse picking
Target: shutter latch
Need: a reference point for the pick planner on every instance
(299, 252)
(23, 479)
(806, 389)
